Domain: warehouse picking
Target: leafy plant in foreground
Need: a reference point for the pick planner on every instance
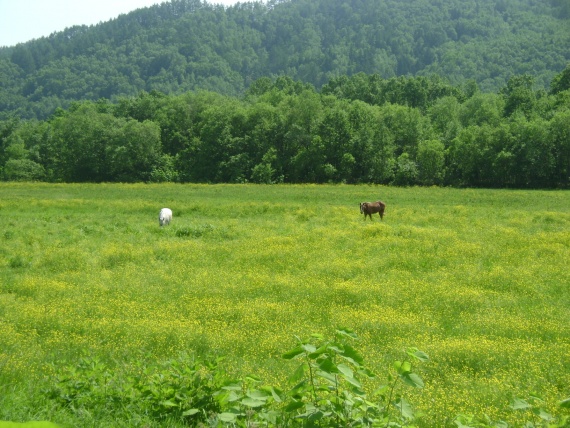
(83, 385)
(181, 388)
(245, 401)
(539, 417)
(328, 388)
(533, 406)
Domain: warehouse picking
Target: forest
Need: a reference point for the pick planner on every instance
(187, 45)
(357, 129)
(448, 92)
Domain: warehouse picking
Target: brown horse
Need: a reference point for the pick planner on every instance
(369, 208)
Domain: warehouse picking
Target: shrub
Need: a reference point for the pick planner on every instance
(23, 170)
(331, 387)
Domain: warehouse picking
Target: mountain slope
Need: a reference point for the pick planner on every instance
(186, 45)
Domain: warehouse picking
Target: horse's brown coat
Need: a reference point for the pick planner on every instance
(369, 208)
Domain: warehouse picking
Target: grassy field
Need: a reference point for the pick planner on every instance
(478, 279)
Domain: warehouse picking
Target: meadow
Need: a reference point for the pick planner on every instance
(477, 279)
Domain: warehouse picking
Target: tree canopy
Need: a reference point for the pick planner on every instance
(188, 45)
(358, 129)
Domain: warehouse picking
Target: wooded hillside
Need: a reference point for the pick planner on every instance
(359, 129)
(184, 45)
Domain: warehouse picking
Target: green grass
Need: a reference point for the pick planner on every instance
(478, 279)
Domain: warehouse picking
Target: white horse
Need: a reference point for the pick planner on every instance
(164, 216)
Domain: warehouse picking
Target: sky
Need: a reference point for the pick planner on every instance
(24, 20)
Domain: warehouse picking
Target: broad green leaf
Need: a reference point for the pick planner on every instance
(366, 372)
(252, 402)
(168, 403)
(419, 355)
(543, 414)
(309, 348)
(293, 353)
(519, 404)
(328, 376)
(233, 396)
(344, 369)
(382, 390)
(298, 374)
(275, 393)
(412, 379)
(565, 403)
(404, 408)
(352, 380)
(310, 408)
(253, 378)
(339, 407)
(258, 394)
(328, 366)
(351, 355)
(227, 417)
(337, 349)
(299, 387)
(402, 367)
(232, 387)
(318, 352)
(294, 405)
(463, 420)
(318, 415)
(358, 392)
(272, 417)
(190, 412)
(346, 332)
(370, 404)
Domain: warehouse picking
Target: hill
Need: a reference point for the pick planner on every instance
(185, 45)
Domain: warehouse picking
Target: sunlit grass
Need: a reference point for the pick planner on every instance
(476, 278)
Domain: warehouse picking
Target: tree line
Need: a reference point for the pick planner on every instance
(187, 45)
(357, 129)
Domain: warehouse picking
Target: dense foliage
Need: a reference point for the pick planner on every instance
(328, 389)
(359, 129)
(184, 45)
